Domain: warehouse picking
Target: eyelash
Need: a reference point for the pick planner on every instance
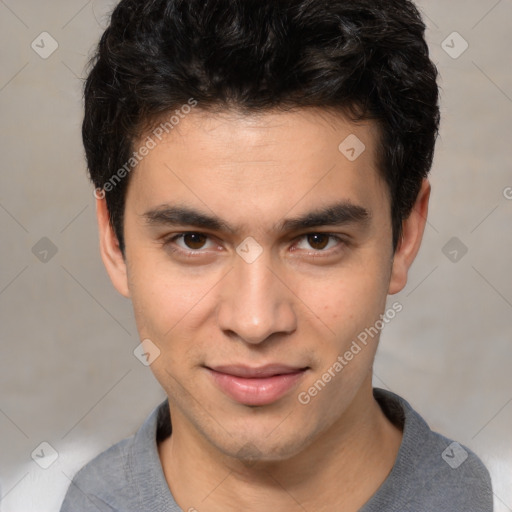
(194, 253)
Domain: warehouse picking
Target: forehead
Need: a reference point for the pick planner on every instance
(270, 134)
(265, 164)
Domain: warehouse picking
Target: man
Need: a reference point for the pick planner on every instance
(261, 182)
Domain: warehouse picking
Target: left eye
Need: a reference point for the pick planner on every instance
(319, 241)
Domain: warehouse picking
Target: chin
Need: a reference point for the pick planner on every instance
(252, 449)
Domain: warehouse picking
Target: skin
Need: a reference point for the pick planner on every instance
(302, 302)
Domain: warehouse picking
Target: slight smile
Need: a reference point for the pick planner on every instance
(257, 385)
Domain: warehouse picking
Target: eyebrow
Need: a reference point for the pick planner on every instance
(337, 214)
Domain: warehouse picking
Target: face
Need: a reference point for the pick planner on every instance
(256, 254)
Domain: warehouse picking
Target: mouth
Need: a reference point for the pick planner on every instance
(256, 385)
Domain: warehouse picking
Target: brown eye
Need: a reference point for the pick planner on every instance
(318, 241)
(190, 244)
(317, 244)
(194, 240)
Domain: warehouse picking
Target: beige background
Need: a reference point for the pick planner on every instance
(67, 371)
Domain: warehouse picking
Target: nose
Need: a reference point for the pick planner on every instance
(255, 303)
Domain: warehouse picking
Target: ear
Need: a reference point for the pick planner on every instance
(109, 248)
(409, 244)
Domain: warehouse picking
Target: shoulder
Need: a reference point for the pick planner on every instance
(431, 472)
(451, 476)
(112, 480)
(98, 485)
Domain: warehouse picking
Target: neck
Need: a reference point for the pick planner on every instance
(344, 467)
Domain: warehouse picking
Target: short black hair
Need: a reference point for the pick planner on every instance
(365, 58)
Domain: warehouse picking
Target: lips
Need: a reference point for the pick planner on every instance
(269, 370)
(256, 385)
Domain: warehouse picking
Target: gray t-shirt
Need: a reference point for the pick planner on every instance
(431, 473)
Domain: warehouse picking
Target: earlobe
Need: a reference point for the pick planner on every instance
(111, 254)
(409, 244)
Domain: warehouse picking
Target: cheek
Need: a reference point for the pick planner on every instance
(171, 309)
(349, 299)
(351, 304)
(164, 298)
(165, 309)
